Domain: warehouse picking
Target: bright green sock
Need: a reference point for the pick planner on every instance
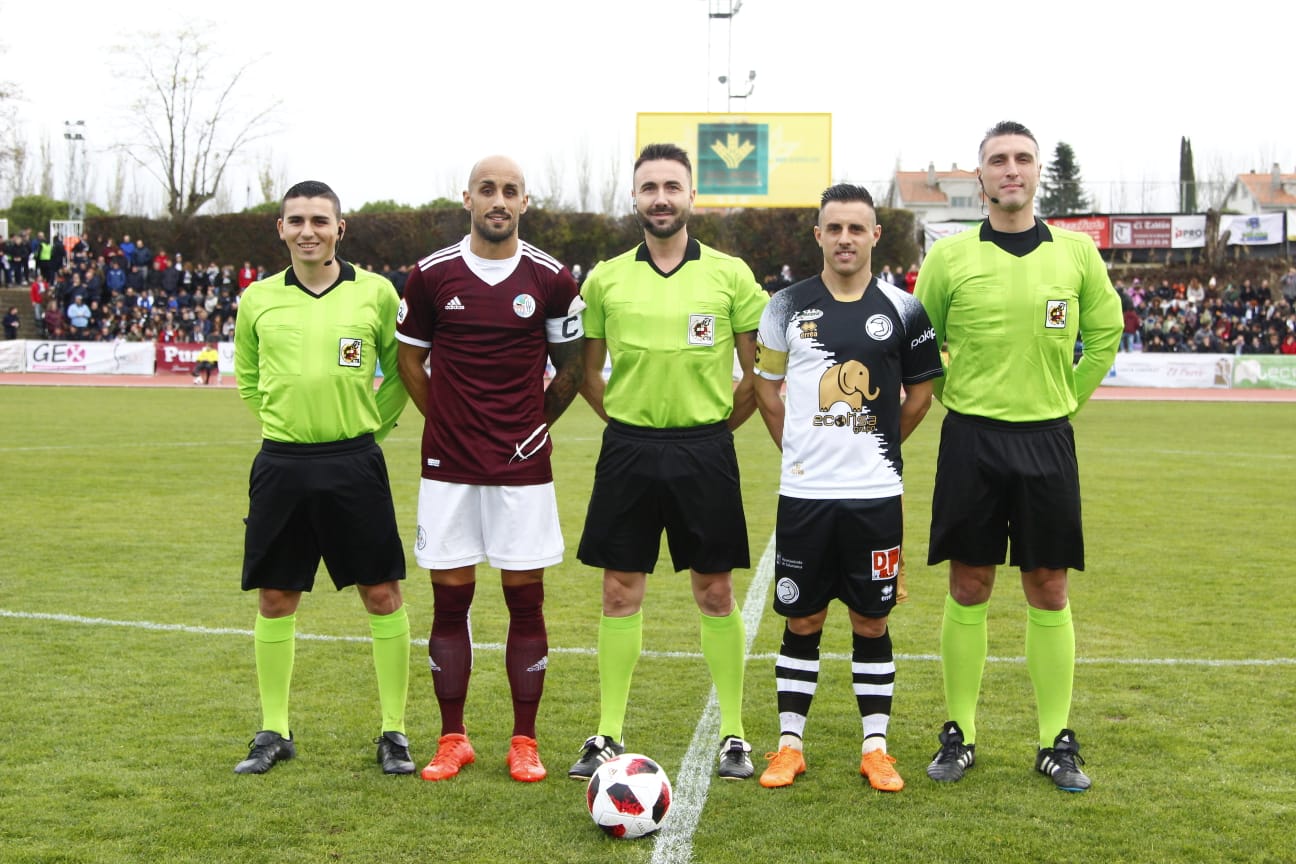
(724, 645)
(391, 654)
(619, 642)
(1050, 659)
(963, 655)
(275, 644)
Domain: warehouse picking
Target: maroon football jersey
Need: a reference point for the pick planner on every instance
(484, 323)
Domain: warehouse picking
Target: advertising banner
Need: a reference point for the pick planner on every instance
(1188, 232)
(749, 160)
(13, 354)
(1171, 370)
(1097, 227)
(1264, 371)
(177, 357)
(90, 358)
(1256, 229)
(1140, 232)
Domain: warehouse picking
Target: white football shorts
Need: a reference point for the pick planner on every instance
(511, 527)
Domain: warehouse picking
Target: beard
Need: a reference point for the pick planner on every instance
(661, 232)
(493, 233)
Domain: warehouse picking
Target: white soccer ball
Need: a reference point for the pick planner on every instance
(629, 796)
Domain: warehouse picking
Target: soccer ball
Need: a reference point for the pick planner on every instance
(629, 796)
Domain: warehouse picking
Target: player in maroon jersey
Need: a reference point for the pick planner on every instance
(484, 314)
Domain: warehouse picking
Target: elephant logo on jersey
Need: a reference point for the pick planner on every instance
(1055, 314)
(701, 330)
(846, 382)
(349, 351)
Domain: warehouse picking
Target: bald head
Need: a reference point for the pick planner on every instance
(496, 166)
(495, 198)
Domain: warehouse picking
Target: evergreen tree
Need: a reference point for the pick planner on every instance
(1187, 178)
(1063, 190)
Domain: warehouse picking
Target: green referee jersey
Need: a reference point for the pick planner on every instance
(671, 335)
(1010, 323)
(305, 363)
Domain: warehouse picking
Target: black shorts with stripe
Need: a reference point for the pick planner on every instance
(313, 501)
(682, 480)
(998, 482)
(844, 549)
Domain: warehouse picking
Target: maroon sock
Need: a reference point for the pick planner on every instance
(450, 651)
(526, 653)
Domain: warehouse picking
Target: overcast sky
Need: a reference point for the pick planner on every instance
(396, 100)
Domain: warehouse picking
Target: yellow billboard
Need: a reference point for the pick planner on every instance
(749, 160)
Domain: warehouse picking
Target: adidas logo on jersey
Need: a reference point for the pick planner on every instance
(455, 303)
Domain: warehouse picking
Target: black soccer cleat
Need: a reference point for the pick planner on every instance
(264, 751)
(952, 760)
(1060, 763)
(393, 753)
(735, 764)
(596, 750)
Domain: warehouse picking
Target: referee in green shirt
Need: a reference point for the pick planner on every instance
(305, 345)
(670, 312)
(1009, 298)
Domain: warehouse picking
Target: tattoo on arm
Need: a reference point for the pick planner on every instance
(569, 371)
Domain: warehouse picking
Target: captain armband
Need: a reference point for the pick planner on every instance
(568, 328)
(771, 363)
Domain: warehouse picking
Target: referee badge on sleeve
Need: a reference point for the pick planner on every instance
(349, 352)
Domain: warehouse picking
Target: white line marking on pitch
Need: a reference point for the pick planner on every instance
(590, 652)
(675, 841)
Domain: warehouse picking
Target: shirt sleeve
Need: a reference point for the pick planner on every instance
(247, 357)
(592, 318)
(772, 345)
(1101, 325)
(391, 395)
(932, 290)
(749, 301)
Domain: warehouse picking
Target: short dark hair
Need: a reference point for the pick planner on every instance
(312, 189)
(672, 152)
(846, 192)
(1002, 128)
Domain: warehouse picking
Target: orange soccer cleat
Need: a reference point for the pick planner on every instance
(784, 766)
(453, 752)
(876, 766)
(524, 760)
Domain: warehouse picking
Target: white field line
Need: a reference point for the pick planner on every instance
(590, 652)
(674, 843)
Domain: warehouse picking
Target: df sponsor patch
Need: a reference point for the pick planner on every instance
(886, 563)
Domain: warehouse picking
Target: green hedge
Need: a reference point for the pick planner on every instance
(765, 239)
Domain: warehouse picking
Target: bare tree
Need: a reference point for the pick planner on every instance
(549, 194)
(584, 176)
(117, 186)
(188, 116)
(610, 193)
(46, 166)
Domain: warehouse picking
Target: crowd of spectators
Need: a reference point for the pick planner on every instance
(1216, 317)
(106, 291)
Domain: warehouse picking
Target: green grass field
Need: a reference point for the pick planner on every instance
(129, 686)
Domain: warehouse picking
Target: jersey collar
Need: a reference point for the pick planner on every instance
(692, 252)
(346, 273)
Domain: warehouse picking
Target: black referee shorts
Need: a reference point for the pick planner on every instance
(308, 501)
(682, 480)
(997, 482)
